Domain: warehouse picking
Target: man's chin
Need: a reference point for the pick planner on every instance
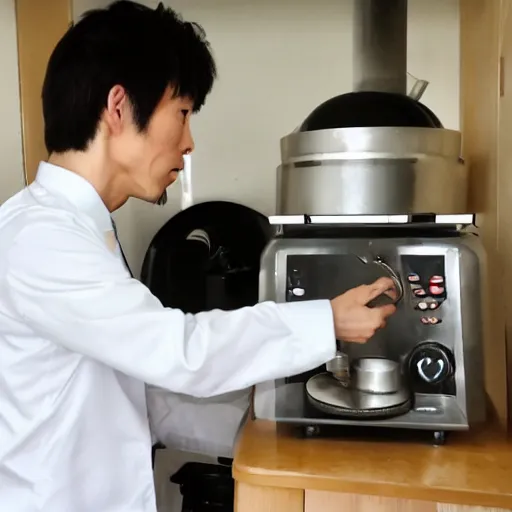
(154, 199)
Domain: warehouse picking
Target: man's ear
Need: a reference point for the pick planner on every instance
(118, 111)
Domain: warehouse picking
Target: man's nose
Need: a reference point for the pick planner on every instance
(187, 142)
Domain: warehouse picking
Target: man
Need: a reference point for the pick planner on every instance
(80, 338)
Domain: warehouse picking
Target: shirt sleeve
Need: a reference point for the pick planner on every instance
(207, 426)
(66, 286)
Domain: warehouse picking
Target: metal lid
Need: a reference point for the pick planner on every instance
(368, 108)
(370, 143)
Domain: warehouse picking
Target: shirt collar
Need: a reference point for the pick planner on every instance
(75, 190)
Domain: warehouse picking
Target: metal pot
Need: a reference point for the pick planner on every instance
(381, 170)
(377, 375)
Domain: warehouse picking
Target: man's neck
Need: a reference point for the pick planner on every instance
(93, 169)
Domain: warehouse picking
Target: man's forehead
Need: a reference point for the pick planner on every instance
(187, 102)
(184, 100)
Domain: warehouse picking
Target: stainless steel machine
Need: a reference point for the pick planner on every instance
(372, 185)
(424, 370)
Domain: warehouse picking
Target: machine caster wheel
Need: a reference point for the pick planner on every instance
(311, 431)
(439, 438)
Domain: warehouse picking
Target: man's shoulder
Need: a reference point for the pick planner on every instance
(32, 215)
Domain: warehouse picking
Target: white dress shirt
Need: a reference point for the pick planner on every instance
(79, 341)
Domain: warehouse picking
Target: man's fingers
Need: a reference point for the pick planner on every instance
(380, 314)
(382, 285)
(385, 311)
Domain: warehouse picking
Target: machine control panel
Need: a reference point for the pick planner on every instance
(427, 283)
(429, 366)
(327, 275)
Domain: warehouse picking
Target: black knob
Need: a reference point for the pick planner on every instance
(431, 363)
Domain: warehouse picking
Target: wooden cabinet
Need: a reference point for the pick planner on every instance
(259, 499)
(504, 199)
(317, 501)
(275, 470)
(40, 25)
(483, 26)
(249, 498)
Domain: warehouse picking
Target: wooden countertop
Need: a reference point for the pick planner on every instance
(470, 469)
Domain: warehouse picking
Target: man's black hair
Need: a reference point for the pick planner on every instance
(144, 50)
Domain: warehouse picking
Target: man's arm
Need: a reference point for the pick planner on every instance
(208, 426)
(64, 283)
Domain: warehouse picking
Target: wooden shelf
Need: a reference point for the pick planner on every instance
(473, 469)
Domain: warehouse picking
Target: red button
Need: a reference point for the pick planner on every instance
(436, 290)
(437, 280)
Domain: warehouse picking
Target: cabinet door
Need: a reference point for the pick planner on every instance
(442, 507)
(40, 25)
(250, 498)
(318, 501)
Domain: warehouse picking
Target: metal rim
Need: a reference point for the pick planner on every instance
(372, 142)
(384, 413)
(400, 407)
(394, 277)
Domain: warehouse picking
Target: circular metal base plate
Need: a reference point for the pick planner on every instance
(327, 395)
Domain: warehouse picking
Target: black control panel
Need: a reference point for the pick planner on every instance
(324, 276)
(425, 277)
(429, 366)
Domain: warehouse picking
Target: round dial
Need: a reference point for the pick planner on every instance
(431, 363)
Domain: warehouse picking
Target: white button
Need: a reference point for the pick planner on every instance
(298, 292)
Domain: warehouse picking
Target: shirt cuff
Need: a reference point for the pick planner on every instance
(313, 325)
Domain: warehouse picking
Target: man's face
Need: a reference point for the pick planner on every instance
(149, 161)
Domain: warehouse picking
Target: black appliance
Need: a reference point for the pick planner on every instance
(207, 257)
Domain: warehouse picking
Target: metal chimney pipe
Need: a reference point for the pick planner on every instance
(380, 46)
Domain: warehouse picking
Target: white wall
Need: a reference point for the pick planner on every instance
(11, 159)
(277, 60)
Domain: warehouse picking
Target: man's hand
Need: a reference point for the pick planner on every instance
(353, 320)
